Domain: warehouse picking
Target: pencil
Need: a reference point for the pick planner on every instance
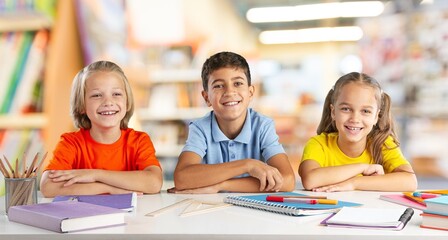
(5, 171)
(294, 196)
(33, 163)
(24, 156)
(16, 169)
(9, 165)
(42, 160)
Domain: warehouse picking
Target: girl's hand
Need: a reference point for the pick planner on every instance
(346, 185)
(269, 177)
(73, 176)
(373, 169)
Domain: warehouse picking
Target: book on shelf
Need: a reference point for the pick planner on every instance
(370, 218)
(434, 221)
(66, 216)
(9, 43)
(259, 202)
(126, 201)
(403, 200)
(32, 74)
(24, 46)
(438, 205)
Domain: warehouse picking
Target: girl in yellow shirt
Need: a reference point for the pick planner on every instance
(356, 147)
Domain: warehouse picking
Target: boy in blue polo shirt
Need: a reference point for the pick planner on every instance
(233, 148)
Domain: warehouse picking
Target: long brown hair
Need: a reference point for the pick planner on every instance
(385, 125)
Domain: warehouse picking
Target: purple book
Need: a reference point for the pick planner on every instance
(66, 216)
(127, 201)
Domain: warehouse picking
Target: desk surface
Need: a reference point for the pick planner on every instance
(231, 222)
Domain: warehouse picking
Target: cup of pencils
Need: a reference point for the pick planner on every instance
(20, 181)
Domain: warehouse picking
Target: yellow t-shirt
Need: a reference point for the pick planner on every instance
(324, 150)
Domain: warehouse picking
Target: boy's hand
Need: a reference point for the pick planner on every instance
(373, 169)
(269, 177)
(202, 190)
(73, 176)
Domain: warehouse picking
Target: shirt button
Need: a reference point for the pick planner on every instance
(233, 156)
(231, 145)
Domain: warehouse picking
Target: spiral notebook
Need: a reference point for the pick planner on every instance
(292, 209)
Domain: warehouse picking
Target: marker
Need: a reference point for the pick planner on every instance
(425, 195)
(298, 200)
(294, 196)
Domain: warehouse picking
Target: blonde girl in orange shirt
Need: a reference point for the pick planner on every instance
(104, 155)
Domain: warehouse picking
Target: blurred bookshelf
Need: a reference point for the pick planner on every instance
(408, 56)
(34, 41)
(172, 99)
(36, 96)
(24, 34)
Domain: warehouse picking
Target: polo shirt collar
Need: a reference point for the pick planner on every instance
(243, 137)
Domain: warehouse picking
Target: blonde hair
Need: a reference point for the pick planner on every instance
(77, 97)
(383, 128)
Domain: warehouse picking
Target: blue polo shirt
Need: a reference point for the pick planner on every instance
(257, 140)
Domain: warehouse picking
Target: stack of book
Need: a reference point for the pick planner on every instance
(76, 212)
(435, 216)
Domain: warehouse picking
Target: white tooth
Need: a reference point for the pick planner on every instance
(231, 103)
(107, 113)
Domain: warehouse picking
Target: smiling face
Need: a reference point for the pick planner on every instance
(355, 112)
(229, 94)
(105, 100)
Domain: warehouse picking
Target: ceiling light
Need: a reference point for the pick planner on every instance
(315, 11)
(324, 34)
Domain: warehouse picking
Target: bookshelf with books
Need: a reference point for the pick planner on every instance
(24, 34)
(407, 57)
(40, 59)
(171, 98)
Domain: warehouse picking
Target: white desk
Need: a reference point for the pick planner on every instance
(228, 223)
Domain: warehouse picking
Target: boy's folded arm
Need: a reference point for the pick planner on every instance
(281, 162)
(191, 173)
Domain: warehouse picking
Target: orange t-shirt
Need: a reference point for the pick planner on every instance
(77, 150)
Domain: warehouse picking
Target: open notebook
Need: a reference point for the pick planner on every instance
(371, 218)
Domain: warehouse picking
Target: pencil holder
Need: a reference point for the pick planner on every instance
(20, 191)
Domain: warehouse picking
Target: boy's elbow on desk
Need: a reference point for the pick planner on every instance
(289, 183)
(179, 183)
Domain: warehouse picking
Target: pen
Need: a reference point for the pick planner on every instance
(294, 196)
(298, 200)
(425, 195)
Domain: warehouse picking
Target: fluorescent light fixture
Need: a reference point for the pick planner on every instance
(315, 11)
(324, 34)
(427, 2)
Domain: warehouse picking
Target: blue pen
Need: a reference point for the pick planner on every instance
(425, 195)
